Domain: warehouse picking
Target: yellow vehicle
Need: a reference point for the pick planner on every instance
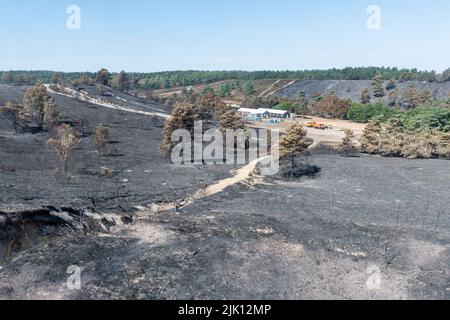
(316, 125)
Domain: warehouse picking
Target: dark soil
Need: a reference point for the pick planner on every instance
(306, 239)
(310, 238)
(351, 89)
(141, 174)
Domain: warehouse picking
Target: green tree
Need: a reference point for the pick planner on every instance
(208, 90)
(294, 143)
(225, 90)
(250, 89)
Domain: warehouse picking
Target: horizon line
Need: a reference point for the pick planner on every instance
(230, 70)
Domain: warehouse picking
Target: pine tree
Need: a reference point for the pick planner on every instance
(378, 90)
(445, 75)
(426, 96)
(411, 97)
(57, 77)
(39, 105)
(121, 81)
(347, 146)
(65, 144)
(393, 96)
(100, 138)
(208, 90)
(83, 124)
(7, 77)
(14, 113)
(365, 96)
(250, 88)
(103, 77)
(183, 117)
(294, 143)
(231, 120)
(391, 85)
(225, 90)
(331, 107)
(51, 113)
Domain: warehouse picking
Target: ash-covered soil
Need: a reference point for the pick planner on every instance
(351, 89)
(126, 100)
(364, 228)
(141, 174)
(38, 205)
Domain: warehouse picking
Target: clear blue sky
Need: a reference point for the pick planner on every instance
(155, 35)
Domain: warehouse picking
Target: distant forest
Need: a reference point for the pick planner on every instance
(159, 80)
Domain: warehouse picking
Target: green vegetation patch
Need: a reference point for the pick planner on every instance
(417, 119)
(363, 113)
(424, 118)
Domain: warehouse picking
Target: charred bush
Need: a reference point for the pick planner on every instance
(298, 168)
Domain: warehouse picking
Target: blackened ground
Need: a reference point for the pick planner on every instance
(141, 174)
(351, 89)
(364, 228)
(127, 100)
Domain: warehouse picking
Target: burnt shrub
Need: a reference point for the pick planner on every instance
(296, 169)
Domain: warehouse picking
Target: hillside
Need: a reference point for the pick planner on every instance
(351, 89)
(240, 235)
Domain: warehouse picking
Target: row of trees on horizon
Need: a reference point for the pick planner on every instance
(169, 79)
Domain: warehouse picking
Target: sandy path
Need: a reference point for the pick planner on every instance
(330, 137)
(270, 88)
(283, 87)
(165, 93)
(240, 175)
(84, 97)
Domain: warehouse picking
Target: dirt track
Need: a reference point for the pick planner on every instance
(331, 136)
